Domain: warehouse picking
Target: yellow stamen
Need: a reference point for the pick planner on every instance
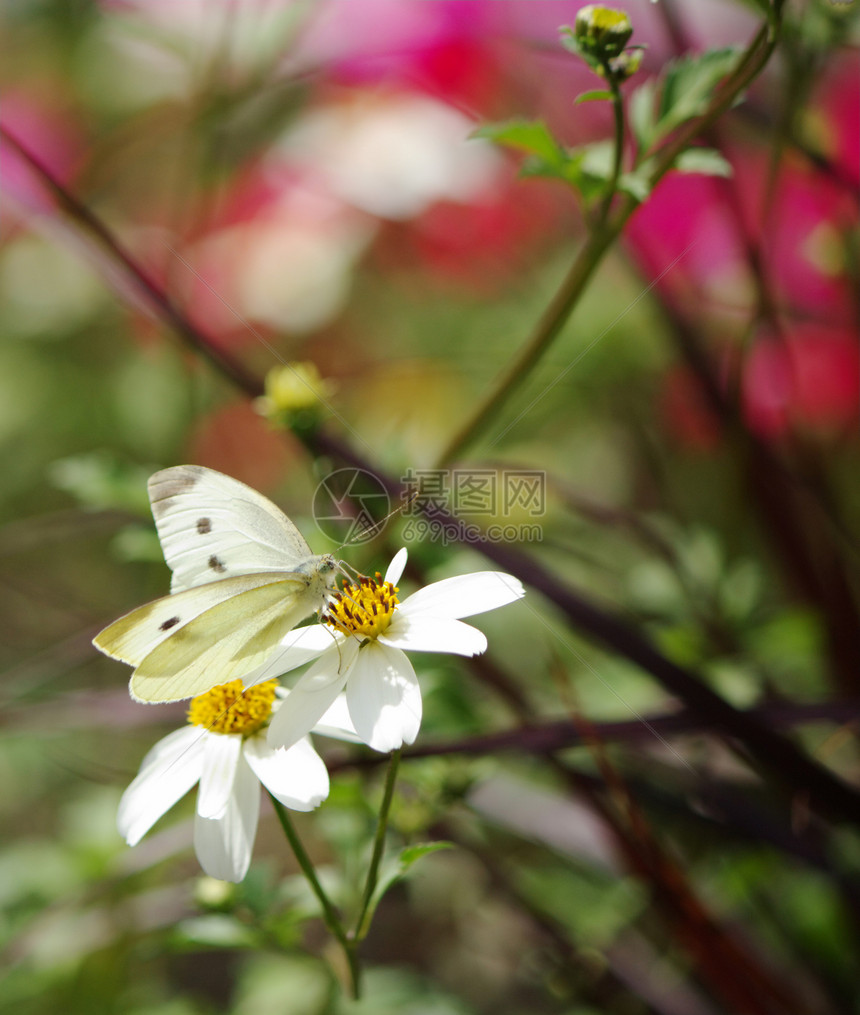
(229, 708)
(364, 609)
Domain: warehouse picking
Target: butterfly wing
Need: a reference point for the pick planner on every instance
(226, 642)
(213, 527)
(134, 636)
(191, 641)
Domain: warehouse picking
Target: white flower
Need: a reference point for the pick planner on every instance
(365, 653)
(224, 749)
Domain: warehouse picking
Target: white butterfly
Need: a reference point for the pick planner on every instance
(243, 577)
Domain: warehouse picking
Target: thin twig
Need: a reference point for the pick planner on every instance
(155, 295)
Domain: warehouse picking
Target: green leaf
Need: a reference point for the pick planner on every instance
(597, 159)
(570, 42)
(535, 166)
(636, 185)
(736, 680)
(586, 169)
(568, 170)
(741, 589)
(530, 136)
(689, 84)
(593, 909)
(396, 868)
(641, 114)
(598, 95)
(568, 39)
(215, 930)
(411, 854)
(136, 543)
(99, 480)
(703, 160)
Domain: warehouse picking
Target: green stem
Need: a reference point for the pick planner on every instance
(602, 236)
(362, 924)
(617, 149)
(550, 324)
(330, 914)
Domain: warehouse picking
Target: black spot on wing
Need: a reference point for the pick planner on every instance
(204, 525)
(217, 565)
(170, 483)
(167, 624)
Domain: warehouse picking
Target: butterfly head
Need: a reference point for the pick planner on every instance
(329, 567)
(322, 572)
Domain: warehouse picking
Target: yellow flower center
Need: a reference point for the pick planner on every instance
(229, 708)
(364, 609)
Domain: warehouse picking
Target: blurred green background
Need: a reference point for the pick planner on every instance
(300, 180)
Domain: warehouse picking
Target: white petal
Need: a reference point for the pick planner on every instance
(223, 845)
(336, 722)
(220, 762)
(384, 698)
(395, 568)
(434, 634)
(295, 649)
(308, 701)
(168, 771)
(314, 638)
(171, 745)
(297, 777)
(464, 595)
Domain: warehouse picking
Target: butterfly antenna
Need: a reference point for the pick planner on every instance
(378, 526)
(348, 571)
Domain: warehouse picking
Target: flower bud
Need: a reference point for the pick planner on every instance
(295, 393)
(602, 32)
(210, 893)
(626, 64)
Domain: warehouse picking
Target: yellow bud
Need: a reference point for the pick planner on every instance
(293, 391)
(602, 32)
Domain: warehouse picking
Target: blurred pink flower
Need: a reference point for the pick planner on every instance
(390, 40)
(807, 382)
(481, 245)
(835, 120)
(804, 382)
(799, 221)
(685, 231)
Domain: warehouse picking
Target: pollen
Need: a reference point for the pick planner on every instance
(229, 708)
(364, 609)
